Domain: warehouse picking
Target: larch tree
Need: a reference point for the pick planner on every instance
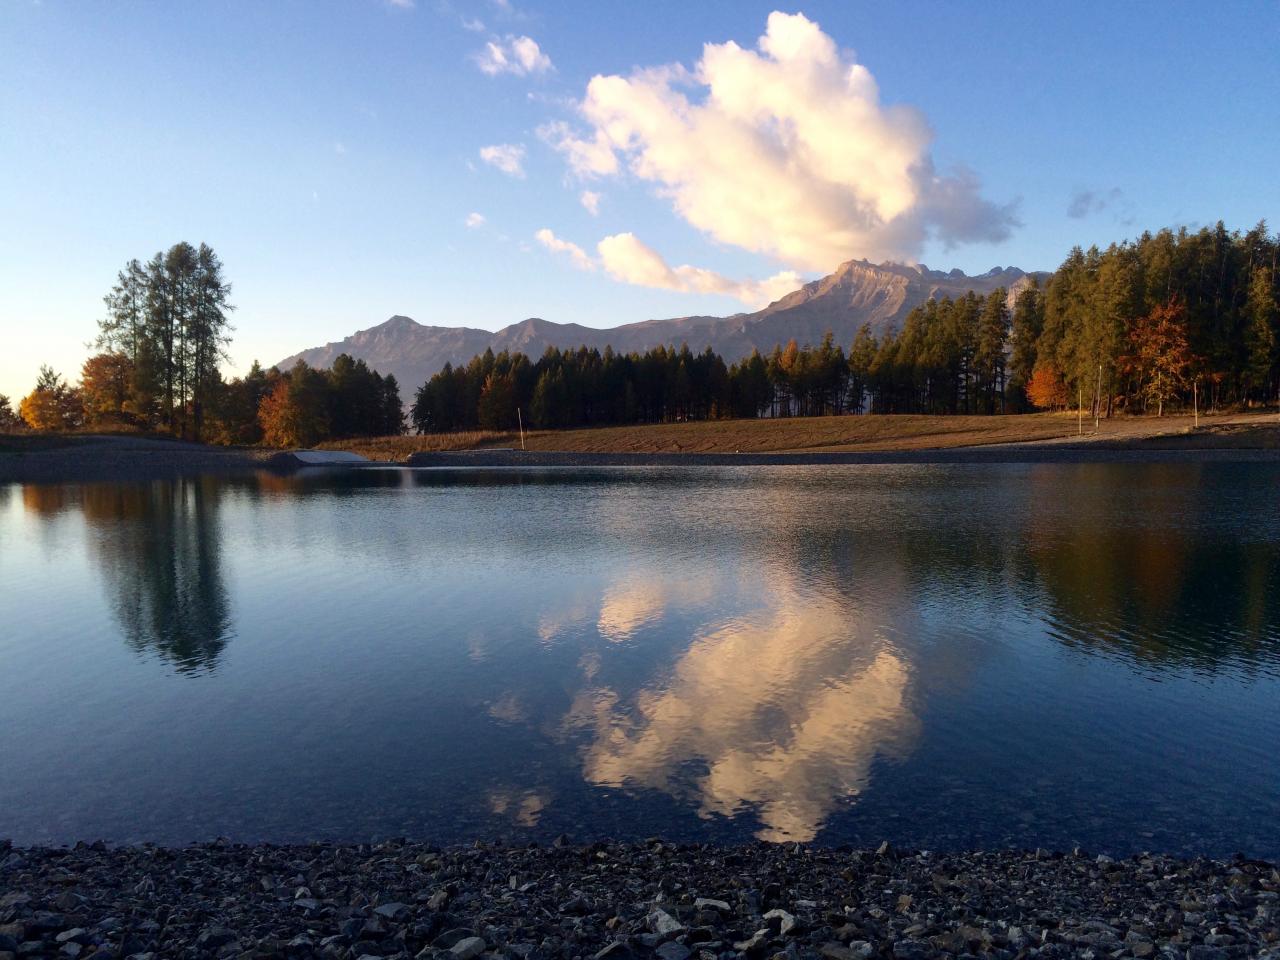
(105, 386)
(1046, 389)
(1261, 334)
(9, 419)
(1160, 355)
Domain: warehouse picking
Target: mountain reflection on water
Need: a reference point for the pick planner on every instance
(1036, 655)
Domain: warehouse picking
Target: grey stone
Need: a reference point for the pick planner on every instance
(397, 912)
(663, 924)
(467, 948)
(786, 922)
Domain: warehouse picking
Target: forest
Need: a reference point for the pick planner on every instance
(1169, 319)
(1146, 325)
(161, 343)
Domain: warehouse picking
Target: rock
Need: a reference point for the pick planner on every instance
(857, 950)
(755, 944)
(214, 937)
(396, 912)
(467, 948)
(577, 907)
(671, 950)
(786, 922)
(910, 950)
(615, 950)
(704, 903)
(663, 924)
(447, 939)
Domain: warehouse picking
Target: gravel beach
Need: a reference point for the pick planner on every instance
(622, 901)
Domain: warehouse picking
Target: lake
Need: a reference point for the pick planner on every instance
(940, 656)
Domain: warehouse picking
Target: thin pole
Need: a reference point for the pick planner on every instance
(1079, 408)
(1195, 401)
(1097, 401)
(520, 421)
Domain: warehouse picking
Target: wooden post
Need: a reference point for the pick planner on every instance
(1097, 401)
(1195, 401)
(520, 422)
(1079, 408)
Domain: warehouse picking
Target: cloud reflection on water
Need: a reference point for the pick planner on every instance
(782, 712)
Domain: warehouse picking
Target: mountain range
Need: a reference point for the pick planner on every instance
(857, 292)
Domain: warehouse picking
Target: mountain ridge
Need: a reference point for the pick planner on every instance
(857, 292)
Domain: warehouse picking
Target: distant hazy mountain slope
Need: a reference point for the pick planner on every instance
(858, 292)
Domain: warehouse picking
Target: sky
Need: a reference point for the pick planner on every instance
(478, 162)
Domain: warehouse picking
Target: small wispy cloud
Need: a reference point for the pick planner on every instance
(1084, 203)
(519, 56)
(340, 148)
(474, 221)
(577, 256)
(402, 4)
(590, 201)
(474, 24)
(507, 157)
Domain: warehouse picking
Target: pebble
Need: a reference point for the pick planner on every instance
(616, 901)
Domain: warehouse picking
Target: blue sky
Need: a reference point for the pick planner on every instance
(331, 152)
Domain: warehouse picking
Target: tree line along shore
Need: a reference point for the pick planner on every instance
(1175, 320)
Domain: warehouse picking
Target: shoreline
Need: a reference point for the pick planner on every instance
(123, 459)
(994, 454)
(625, 901)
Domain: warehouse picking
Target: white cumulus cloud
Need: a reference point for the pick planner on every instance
(520, 56)
(577, 256)
(590, 201)
(507, 157)
(474, 220)
(625, 257)
(628, 259)
(784, 150)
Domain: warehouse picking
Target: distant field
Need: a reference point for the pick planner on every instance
(834, 434)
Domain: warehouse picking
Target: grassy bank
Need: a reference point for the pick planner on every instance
(845, 434)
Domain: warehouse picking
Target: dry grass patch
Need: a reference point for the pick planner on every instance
(833, 434)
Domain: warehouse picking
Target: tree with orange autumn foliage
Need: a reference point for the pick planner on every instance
(106, 381)
(1159, 357)
(293, 413)
(1046, 388)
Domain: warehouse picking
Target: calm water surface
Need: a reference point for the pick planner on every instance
(939, 656)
